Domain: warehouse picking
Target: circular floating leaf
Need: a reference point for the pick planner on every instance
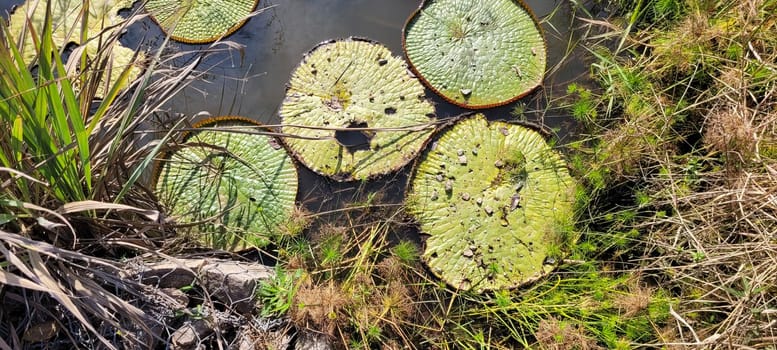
(496, 202)
(200, 21)
(476, 54)
(355, 89)
(240, 184)
(67, 20)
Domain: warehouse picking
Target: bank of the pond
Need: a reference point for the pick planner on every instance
(671, 136)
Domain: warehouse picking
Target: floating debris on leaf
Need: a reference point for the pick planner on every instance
(350, 91)
(486, 53)
(521, 205)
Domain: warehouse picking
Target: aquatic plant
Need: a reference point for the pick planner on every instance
(496, 202)
(90, 28)
(69, 164)
(476, 54)
(355, 86)
(236, 183)
(202, 21)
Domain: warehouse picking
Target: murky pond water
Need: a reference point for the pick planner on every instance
(251, 82)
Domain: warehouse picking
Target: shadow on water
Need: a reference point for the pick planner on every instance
(252, 81)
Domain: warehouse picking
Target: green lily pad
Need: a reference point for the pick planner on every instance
(66, 28)
(496, 202)
(239, 185)
(355, 83)
(200, 21)
(476, 54)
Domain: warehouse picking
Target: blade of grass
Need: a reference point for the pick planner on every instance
(4, 345)
(58, 116)
(147, 161)
(17, 135)
(73, 114)
(108, 99)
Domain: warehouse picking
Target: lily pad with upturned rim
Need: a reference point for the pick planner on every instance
(67, 21)
(200, 21)
(495, 201)
(237, 184)
(476, 54)
(355, 84)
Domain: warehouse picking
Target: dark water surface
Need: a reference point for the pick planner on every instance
(251, 81)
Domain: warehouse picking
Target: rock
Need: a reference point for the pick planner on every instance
(234, 283)
(309, 341)
(189, 335)
(41, 332)
(161, 306)
(167, 274)
(231, 282)
(250, 339)
(178, 296)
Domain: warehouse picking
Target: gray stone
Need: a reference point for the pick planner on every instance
(231, 282)
(234, 283)
(310, 341)
(189, 336)
(252, 338)
(180, 298)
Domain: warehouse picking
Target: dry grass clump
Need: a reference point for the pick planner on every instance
(635, 300)
(553, 334)
(645, 130)
(72, 201)
(358, 290)
(730, 132)
(719, 249)
(319, 307)
(691, 139)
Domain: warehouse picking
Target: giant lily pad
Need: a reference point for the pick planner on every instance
(200, 21)
(355, 83)
(237, 184)
(496, 202)
(476, 54)
(67, 21)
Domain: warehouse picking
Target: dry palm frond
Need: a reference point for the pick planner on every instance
(70, 278)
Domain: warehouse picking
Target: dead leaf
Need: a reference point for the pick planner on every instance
(41, 332)
(75, 207)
